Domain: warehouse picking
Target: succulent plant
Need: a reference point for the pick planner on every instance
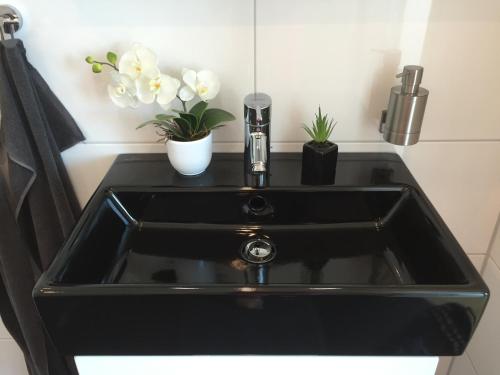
(321, 128)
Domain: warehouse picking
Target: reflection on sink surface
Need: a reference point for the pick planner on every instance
(342, 236)
(338, 271)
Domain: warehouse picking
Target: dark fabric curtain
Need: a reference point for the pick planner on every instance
(38, 207)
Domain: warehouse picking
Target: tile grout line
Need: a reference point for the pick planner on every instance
(489, 250)
(293, 142)
(472, 363)
(217, 142)
(495, 263)
(450, 367)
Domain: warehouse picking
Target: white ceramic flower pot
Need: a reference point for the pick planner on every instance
(190, 158)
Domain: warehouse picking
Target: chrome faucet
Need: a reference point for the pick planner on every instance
(257, 113)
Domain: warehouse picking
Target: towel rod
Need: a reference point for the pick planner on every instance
(10, 20)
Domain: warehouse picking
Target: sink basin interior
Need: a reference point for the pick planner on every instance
(241, 207)
(322, 237)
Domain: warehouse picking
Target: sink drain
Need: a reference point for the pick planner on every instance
(258, 250)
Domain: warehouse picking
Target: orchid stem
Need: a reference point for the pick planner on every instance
(183, 103)
(108, 64)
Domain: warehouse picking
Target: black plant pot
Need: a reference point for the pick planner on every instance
(319, 162)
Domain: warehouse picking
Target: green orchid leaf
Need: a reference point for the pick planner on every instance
(198, 109)
(192, 120)
(140, 126)
(173, 131)
(112, 57)
(214, 127)
(164, 117)
(215, 116)
(180, 122)
(154, 122)
(184, 126)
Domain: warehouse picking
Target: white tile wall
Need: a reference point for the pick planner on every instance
(461, 70)
(213, 34)
(462, 366)
(443, 365)
(495, 243)
(340, 54)
(4, 334)
(477, 260)
(11, 358)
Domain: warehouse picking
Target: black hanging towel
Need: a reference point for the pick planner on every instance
(38, 206)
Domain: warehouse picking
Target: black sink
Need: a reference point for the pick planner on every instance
(336, 270)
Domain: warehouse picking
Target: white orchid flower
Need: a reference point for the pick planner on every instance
(138, 61)
(205, 84)
(157, 86)
(122, 90)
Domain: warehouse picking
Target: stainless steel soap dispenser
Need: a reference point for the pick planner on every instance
(402, 121)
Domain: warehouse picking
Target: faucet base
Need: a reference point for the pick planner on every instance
(257, 180)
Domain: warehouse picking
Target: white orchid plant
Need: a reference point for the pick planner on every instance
(136, 78)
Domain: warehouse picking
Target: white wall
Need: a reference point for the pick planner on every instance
(458, 161)
(342, 54)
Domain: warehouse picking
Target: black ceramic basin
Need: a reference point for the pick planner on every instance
(304, 270)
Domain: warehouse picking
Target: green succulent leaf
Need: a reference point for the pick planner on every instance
(321, 128)
(214, 116)
(112, 57)
(89, 59)
(309, 131)
(96, 67)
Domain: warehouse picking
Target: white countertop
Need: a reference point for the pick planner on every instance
(252, 365)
